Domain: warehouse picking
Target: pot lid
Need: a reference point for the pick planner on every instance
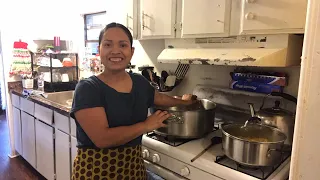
(254, 133)
(276, 110)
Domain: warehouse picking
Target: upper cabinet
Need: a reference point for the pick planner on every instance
(126, 13)
(205, 18)
(152, 19)
(273, 16)
(158, 19)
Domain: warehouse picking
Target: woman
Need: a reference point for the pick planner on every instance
(111, 110)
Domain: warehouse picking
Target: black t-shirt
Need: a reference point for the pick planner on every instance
(122, 109)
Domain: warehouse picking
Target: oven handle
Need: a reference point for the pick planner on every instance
(162, 172)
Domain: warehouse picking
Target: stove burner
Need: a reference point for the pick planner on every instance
(170, 140)
(258, 172)
(247, 167)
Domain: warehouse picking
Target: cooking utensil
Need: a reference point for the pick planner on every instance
(214, 141)
(279, 118)
(181, 70)
(253, 145)
(188, 122)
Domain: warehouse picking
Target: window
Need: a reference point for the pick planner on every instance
(93, 23)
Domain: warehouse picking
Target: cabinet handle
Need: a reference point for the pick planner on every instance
(250, 16)
(143, 23)
(251, 1)
(128, 22)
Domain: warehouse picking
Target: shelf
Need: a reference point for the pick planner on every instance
(48, 67)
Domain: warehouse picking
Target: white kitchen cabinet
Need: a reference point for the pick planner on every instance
(15, 100)
(62, 122)
(28, 138)
(273, 16)
(45, 150)
(17, 130)
(157, 19)
(126, 13)
(205, 18)
(73, 149)
(62, 151)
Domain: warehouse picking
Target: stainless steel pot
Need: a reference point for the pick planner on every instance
(188, 122)
(279, 118)
(253, 144)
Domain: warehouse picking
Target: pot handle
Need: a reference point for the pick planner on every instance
(280, 94)
(270, 150)
(285, 96)
(174, 119)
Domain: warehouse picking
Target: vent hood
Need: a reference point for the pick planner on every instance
(279, 50)
(262, 57)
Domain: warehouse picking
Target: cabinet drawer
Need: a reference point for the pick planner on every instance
(15, 101)
(44, 114)
(73, 127)
(61, 122)
(27, 106)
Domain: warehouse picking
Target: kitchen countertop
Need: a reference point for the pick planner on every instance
(43, 102)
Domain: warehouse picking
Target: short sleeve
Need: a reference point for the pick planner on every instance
(86, 95)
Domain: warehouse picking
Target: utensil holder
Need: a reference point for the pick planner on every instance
(27, 83)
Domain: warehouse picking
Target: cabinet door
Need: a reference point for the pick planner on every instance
(205, 18)
(44, 149)
(73, 149)
(126, 13)
(17, 130)
(157, 19)
(273, 16)
(62, 150)
(29, 139)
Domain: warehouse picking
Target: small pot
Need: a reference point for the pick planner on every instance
(244, 145)
(253, 144)
(279, 118)
(188, 122)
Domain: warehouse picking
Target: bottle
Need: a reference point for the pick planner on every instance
(41, 83)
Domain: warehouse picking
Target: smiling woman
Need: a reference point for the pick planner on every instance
(110, 111)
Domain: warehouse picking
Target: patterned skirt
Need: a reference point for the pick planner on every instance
(109, 164)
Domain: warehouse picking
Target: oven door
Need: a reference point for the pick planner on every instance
(162, 172)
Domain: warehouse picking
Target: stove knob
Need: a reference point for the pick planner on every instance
(145, 153)
(155, 158)
(184, 171)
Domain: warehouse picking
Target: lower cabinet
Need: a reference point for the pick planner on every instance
(45, 150)
(73, 149)
(63, 158)
(49, 148)
(28, 138)
(17, 130)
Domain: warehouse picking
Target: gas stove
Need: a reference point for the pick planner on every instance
(172, 160)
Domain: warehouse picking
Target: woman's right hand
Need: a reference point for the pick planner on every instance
(155, 121)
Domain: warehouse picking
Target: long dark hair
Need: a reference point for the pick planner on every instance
(113, 25)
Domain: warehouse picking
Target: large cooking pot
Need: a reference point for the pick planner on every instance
(188, 122)
(279, 118)
(253, 144)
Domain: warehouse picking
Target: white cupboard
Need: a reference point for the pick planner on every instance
(29, 139)
(273, 16)
(205, 18)
(74, 149)
(45, 150)
(126, 13)
(62, 151)
(17, 130)
(158, 19)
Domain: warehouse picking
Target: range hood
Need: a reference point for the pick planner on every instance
(262, 51)
(262, 57)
